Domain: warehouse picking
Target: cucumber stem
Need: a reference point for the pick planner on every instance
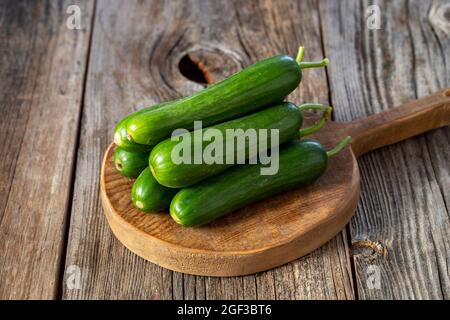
(309, 64)
(312, 106)
(301, 51)
(314, 64)
(341, 145)
(321, 122)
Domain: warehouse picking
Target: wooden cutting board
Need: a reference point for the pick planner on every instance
(279, 229)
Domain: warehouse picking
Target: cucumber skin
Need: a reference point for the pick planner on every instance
(300, 163)
(121, 135)
(130, 164)
(121, 139)
(262, 84)
(286, 117)
(153, 196)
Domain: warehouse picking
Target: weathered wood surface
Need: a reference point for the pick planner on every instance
(134, 59)
(41, 74)
(133, 64)
(401, 228)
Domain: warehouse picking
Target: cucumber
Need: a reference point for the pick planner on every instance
(130, 164)
(148, 195)
(300, 163)
(262, 84)
(285, 117)
(121, 138)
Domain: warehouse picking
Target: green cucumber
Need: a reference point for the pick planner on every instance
(130, 164)
(148, 195)
(121, 137)
(285, 117)
(300, 163)
(260, 85)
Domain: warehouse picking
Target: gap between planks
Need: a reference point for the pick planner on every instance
(62, 264)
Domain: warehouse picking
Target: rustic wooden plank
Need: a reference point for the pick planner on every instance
(332, 283)
(118, 81)
(134, 64)
(41, 75)
(284, 25)
(401, 229)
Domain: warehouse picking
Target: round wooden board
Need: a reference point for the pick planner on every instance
(256, 238)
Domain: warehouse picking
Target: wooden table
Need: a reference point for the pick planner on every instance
(62, 91)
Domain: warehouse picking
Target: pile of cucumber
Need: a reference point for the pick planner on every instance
(198, 193)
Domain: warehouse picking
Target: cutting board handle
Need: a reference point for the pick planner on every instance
(400, 123)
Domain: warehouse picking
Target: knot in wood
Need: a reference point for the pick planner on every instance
(207, 66)
(368, 249)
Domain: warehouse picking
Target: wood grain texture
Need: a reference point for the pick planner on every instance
(402, 224)
(134, 64)
(400, 123)
(41, 75)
